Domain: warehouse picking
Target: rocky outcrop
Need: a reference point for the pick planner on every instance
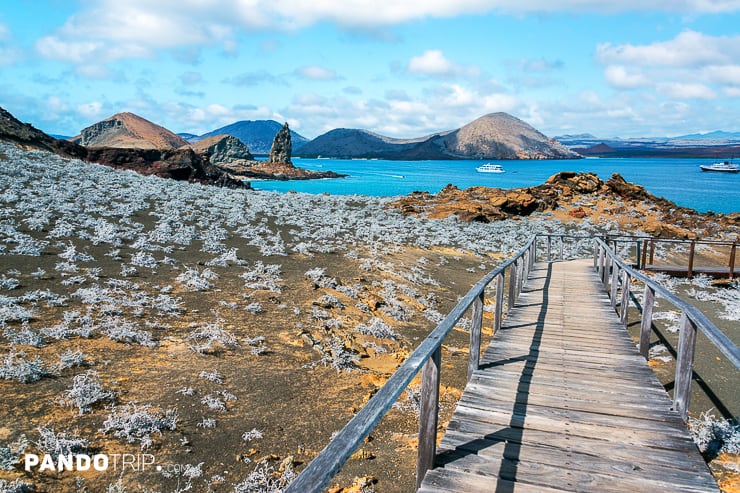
(226, 152)
(281, 149)
(568, 196)
(126, 130)
(258, 135)
(177, 164)
(279, 166)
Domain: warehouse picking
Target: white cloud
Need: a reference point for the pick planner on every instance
(692, 66)
(432, 62)
(724, 74)
(315, 72)
(688, 49)
(619, 77)
(108, 30)
(91, 111)
(678, 90)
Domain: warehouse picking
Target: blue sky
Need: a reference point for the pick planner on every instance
(403, 69)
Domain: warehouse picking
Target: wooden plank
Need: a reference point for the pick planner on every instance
(572, 473)
(580, 382)
(583, 423)
(482, 437)
(448, 481)
(563, 400)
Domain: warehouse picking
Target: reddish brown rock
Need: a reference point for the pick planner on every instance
(578, 213)
(571, 196)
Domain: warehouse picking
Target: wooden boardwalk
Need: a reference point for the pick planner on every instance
(564, 402)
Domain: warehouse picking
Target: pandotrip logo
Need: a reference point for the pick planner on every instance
(84, 462)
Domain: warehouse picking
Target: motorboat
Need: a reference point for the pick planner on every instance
(490, 168)
(723, 167)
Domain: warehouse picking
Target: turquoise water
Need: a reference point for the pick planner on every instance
(678, 180)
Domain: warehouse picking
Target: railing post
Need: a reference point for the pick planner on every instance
(475, 330)
(690, 271)
(596, 255)
(646, 325)
(512, 285)
(562, 243)
(637, 254)
(652, 250)
(732, 260)
(532, 256)
(607, 269)
(684, 366)
(499, 303)
(624, 305)
(428, 416)
(602, 261)
(614, 285)
(644, 253)
(549, 243)
(522, 277)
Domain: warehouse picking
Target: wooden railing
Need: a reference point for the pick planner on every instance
(728, 267)
(427, 355)
(616, 275)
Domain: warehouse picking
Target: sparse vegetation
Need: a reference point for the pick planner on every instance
(151, 285)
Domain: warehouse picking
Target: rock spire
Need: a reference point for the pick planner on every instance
(281, 147)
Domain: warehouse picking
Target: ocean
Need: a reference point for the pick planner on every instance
(678, 180)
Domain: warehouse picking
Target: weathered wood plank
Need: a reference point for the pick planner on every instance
(563, 401)
(570, 472)
(480, 438)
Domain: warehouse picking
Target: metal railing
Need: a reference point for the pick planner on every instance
(427, 356)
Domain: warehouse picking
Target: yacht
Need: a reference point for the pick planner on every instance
(490, 168)
(724, 166)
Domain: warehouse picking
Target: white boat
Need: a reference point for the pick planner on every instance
(724, 166)
(490, 168)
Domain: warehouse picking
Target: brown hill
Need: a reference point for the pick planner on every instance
(178, 164)
(502, 136)
(126, 130)
(493, 136)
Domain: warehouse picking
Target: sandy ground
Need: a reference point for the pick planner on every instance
(263, 321)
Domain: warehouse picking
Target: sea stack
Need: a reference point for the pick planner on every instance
(281, 147)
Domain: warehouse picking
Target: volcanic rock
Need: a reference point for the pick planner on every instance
(178, 164)
(126, 130)
(227, 152)
(279, 167)
(570, 196)
(282, 148)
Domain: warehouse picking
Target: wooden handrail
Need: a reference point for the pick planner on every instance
(691, 320)
(427, 356)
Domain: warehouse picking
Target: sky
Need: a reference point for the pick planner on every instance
(400, 68)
